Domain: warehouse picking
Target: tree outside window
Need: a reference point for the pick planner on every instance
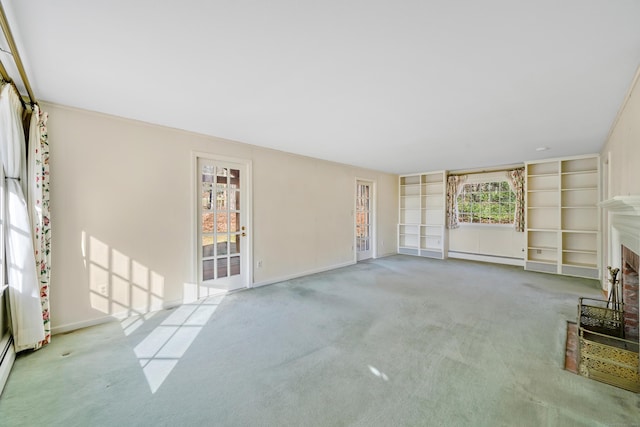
(487, 203)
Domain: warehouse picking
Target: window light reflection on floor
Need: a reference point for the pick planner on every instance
(130, 291)
(130, 324)
(378, 374)
(160, 351)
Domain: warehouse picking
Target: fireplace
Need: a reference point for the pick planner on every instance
(622, 227)
(608, 341)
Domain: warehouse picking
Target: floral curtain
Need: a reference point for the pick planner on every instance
(454, 188)
(515, 178)
(18, 255)
(38, 175)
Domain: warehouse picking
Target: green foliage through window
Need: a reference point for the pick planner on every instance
(487, 203)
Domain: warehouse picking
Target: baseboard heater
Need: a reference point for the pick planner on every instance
(7, 357)
(496, 259)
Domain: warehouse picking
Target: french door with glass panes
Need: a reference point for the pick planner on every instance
(364, 243)
(222, 224)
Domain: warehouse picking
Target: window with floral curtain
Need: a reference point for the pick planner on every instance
(516, 182)
(22, 276)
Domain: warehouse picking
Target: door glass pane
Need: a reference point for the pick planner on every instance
(222, 267)
(234, 265)
(222, 176)
(207, 222)
(207, 173)
(207, 194)
(222, 245)
(208, 269)
(234, 201)
(221, 198)
(207, 246)
(234, 178)
(234, 244)
(222, 222)
(234, 225)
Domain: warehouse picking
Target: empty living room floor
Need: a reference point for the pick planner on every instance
(389, 342)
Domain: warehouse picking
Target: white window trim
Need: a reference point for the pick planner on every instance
(480, 178)
(480, 225)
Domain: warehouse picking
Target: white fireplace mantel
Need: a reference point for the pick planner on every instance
(629, 205)
(622, 219)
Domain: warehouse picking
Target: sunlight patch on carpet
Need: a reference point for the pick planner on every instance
(161, 350)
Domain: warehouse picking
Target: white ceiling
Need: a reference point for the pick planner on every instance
(397, 86)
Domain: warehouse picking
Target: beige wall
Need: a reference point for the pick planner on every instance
(490, 240)
(122, 219)
(623, 149)
(620, 167)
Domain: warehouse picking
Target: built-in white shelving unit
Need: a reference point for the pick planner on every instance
(422, 215)
(562, 224)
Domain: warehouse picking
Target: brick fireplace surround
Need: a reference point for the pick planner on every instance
(630, 292)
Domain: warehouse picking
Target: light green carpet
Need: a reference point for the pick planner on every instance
(396, 341)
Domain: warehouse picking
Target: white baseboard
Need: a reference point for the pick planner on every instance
(82, 324)
(386, 255)
(487, 258)
(61, 329)
(301, 274)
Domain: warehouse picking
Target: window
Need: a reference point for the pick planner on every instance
(487, 203)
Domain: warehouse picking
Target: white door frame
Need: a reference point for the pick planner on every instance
(248, 188)
(373, 219)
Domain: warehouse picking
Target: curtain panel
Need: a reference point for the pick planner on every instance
(18, 255)
(38, 199)
(454, 188)
(515, 178)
